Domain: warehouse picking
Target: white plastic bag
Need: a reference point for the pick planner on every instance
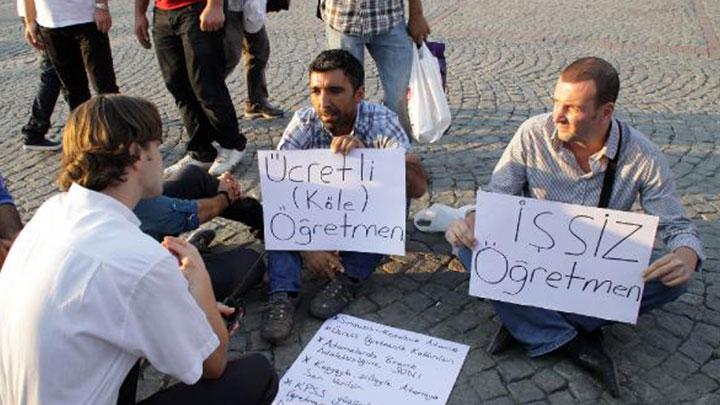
(427, 105)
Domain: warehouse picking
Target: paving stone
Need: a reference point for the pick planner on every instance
(488, 385)
(548, 380)
(515, 368)
(525, 391)
(712, 369)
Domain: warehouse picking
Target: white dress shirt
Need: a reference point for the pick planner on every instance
(83, 295)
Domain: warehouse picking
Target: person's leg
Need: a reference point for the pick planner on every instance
(392, 53)
(338, 40)
(205, 64)
(257, 52)
(284, 270)
(360, 265)
(541, 330)
(95, 47)
(191, 182)
(247, 380)
(171, 58)
(64, 52)
(235, 268)
(45, 100)
(233, 41)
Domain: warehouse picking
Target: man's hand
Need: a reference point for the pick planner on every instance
(141, 30)
(230, 185)
(32, 35)
(675, 268)
(462, 232)
(103, 21)
(418, 27)
(323, 264)
(227, 311)
(345, 144)
(4, 250)
(191, 264)
(212, 17)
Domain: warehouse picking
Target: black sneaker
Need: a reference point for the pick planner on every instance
(334, 296)
(501, 341)
(201, 239)
(277, 318)
(264, 109)
(587, 350)
(41, 143)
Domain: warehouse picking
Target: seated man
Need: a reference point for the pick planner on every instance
(192, 197)
(10, 224)
(84, 290)
(566, 156)
(340, 120)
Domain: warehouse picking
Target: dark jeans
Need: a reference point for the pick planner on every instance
(256, 50)
(45, 99)
(192, 63)
(231, 267)
(247, 380)
(75, 46)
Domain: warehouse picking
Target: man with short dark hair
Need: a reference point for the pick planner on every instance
(84, 290)
(340, 120)
(564, 156)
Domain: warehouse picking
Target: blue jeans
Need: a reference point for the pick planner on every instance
(544, 330)
(285, 267)
(392, 52)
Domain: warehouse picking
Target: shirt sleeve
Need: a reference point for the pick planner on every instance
(510, 175)
(163, 215)
(166, 326)
(295, 135)
(5, 197)
(658, 197)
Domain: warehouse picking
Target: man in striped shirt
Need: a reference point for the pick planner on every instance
(563, 156)
(340, 120)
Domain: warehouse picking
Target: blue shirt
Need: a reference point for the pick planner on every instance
(375, 125)
(161, 216)
(5, 197)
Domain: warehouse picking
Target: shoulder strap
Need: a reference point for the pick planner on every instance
(609, 179)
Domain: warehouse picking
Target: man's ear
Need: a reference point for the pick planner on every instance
(607, 110)
(359, 94)
(138, 152)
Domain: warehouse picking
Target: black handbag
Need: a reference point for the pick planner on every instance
(277, 5)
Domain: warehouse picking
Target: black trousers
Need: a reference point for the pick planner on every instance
(255, 50)
(82, 45)
(192, 63)
(250, 379)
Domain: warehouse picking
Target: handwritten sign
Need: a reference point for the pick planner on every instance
(357, 362)
(559, 256)
(319, 200)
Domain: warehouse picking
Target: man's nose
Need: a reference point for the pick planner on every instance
(558, 114)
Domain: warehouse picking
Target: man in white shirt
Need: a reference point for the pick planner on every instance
(84, 293)
(74, 34)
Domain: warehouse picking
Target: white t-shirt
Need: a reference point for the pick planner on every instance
(83, 295)
(21, 8)
(63, 13)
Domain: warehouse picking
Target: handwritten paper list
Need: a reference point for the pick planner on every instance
(351, 361)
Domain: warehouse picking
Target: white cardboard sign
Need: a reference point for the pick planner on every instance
(357, 362)
(558, 256)
(319, 200)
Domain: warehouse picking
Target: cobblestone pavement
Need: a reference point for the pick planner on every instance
(503, 60)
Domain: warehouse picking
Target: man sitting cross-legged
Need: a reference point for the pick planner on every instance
(84, 293)
(569, 156)
(339, 119)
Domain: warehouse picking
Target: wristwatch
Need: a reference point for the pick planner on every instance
(102, 6)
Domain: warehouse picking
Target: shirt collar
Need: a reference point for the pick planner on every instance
(93, 200)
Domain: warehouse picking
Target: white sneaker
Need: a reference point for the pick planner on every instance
(225, 161)
(186, 161)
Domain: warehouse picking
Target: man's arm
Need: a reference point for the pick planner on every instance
(103, 20)
(417, 25)
(31, 27)
(416, 178)
(209, 208)
(193, 268)
(141, 23)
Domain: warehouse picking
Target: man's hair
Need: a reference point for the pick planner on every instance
(334, 59)
(600, 71)
(97, 139)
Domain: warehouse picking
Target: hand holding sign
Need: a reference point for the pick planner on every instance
(559, 256)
